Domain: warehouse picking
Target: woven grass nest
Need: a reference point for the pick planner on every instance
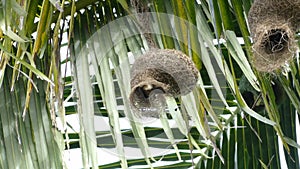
(157, 73)
(273, 25)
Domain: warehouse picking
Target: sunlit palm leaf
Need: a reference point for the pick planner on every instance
(31, 137)
(223, 112)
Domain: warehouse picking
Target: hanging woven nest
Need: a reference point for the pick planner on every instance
(274, 46)
(273, 24)
(157, 73)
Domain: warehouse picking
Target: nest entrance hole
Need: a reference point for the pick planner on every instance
(275, 41)
(145, 90)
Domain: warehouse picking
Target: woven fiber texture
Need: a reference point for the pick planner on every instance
(157, 73)
(273, 24)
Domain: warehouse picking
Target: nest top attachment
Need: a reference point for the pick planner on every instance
(273, 24)
(266, 12)
(157, 73)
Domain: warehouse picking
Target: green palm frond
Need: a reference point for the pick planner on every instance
(236, 117)
(31, 141)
